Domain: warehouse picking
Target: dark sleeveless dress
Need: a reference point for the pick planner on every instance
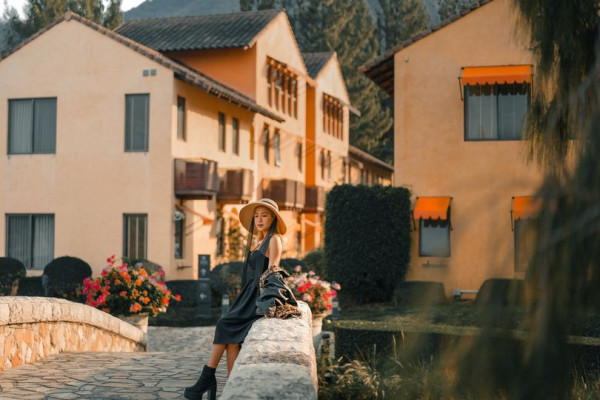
(233, 327)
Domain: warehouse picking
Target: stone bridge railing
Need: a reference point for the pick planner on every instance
(32, 328)
(277, 361)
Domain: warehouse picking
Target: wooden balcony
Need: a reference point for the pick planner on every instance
(236, 186)
(196, 179)
(315, 199)
(287, 193)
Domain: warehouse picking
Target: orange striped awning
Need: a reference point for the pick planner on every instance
(499, 74)
(524, 207)
(432, 207)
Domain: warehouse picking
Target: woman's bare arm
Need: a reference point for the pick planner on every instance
(275, 250)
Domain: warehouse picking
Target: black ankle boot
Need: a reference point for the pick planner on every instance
(207, 383)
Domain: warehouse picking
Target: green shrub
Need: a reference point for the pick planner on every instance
(367, 241)
(189, 291)
(226, 279)
(501, 292)
(315, 260)
(31, 286)
(148, 265)
(420, 293)
(63, 277)
(11, 271)
(289, 264)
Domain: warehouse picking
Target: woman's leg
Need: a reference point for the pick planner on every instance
(216, 354)
(232, 352)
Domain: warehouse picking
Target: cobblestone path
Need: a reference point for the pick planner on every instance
(174, 360)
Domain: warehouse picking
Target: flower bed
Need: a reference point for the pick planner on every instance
(123, 289)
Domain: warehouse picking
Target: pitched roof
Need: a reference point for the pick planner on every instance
(363, 155)
(180, 71)
(316, 61)
(200, 31)
(381, 69)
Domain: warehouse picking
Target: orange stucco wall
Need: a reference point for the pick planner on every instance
(432, 157)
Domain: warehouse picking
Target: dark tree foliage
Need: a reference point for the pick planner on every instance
(367, 240)
(40, 13)
(565, 271)
(450, 8)
(400, 20)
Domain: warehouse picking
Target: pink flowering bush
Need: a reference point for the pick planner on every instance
(122, 289)
(316, 293)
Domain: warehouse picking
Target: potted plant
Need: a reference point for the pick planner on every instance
(316, 293)
(129, 292)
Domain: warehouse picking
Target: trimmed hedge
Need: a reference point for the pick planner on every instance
(315, 260)
(11, 271)
(63, 277)
(226, 279)
(289, 264)
(367, 241)
(31, 286)
(420, 293)
(189, 291)
(149, 266)
(501, 292)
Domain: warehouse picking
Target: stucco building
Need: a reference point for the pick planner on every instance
(461, 92)
(147, 140)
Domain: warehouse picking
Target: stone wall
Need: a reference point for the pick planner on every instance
(32, 328)
(277, 361)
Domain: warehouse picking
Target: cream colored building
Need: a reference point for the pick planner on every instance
(128, 146)
(461, 92)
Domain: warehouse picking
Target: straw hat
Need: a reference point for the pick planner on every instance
(247, 213)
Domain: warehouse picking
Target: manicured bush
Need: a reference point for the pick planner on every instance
(367, 241)
(289, 264)
(501, 292)
(226, 279)
(11, 271)
(149, 266)
(189, 290)
(315, 260)
(31, 286)
(420, 293)
(63, 277)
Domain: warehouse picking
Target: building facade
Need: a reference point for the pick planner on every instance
(147, 140)
(461, 93)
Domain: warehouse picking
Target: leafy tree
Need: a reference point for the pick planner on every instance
(40, 13)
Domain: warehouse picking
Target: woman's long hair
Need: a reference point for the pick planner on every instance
(262, 247)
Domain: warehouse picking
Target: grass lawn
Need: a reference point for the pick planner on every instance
(453, 317)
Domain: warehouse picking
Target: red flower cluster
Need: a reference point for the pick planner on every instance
(126, 290)
(315, 292)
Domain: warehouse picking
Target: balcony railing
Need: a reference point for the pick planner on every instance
(315, 199)
(236, 186)
(287, 193)
(197, 179)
